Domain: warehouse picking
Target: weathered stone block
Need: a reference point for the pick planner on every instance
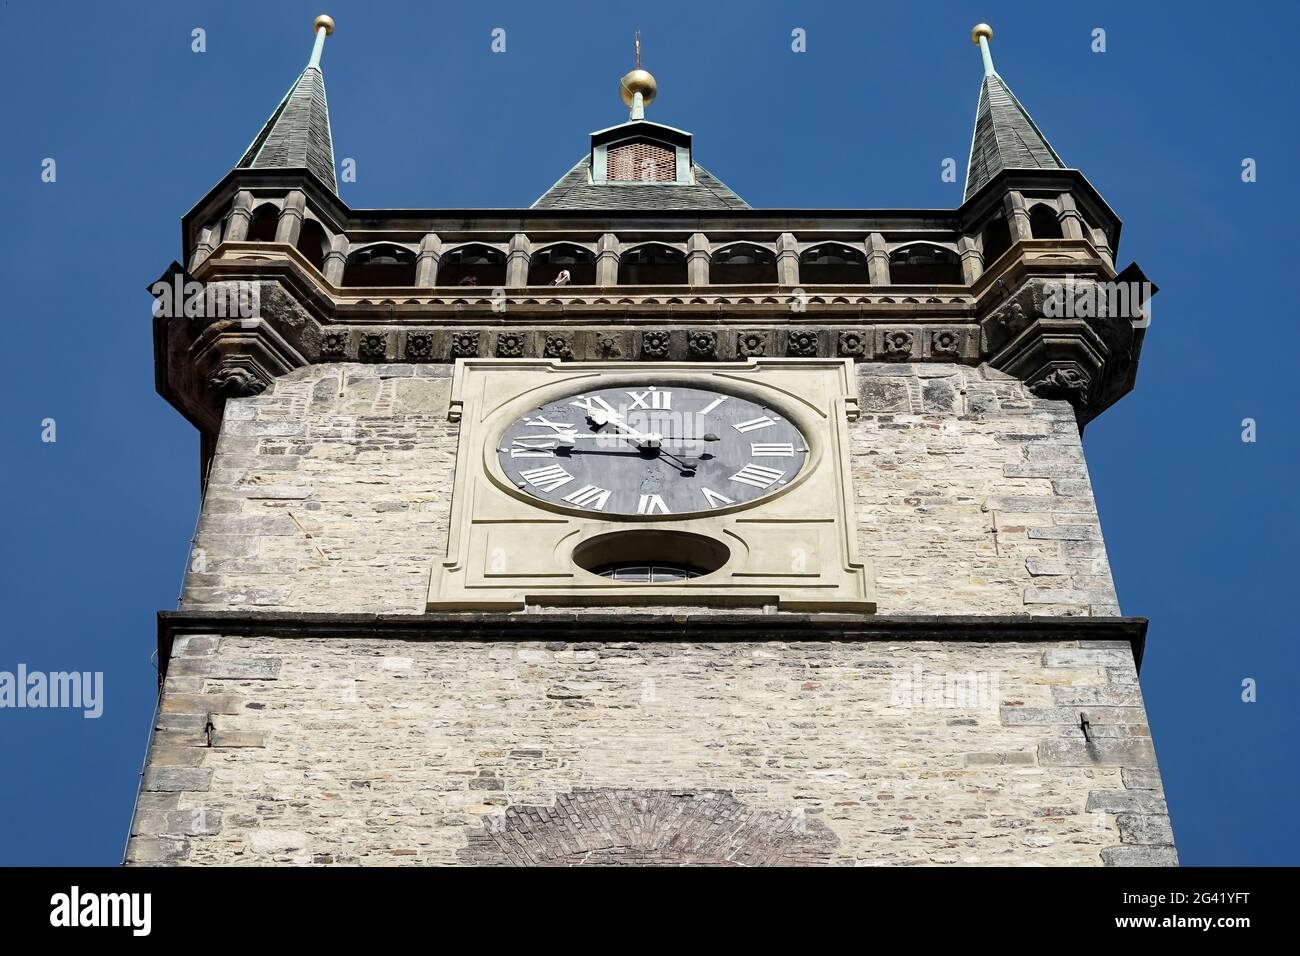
(177, 778)
(1133, 752)
(1139, 856)
(1145, 828)
(1126, 801)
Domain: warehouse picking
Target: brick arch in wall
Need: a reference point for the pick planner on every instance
(615, 827)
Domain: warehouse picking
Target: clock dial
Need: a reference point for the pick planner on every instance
(651, 450)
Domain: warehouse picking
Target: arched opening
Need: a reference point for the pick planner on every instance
(641, 162)
(1043, 222)
(313, 243)
(262, 226)
(473, 265)
(742, 264)
(380, 265)
(923, 263)
(996, 239)
(833, 264)
(652, 265)
(548, 263)
(651, 556)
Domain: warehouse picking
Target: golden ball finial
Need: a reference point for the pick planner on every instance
(637, 81)
(981, 30)
(324, 20)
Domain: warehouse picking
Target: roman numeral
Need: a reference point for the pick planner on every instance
(531, 448)
(714, 499)
(651, 504)
(713, 404)
(656, 399)
(589, 404)
(553, 426)
(776, 449)
(754, 423)
(589, 496)
(757, 475)
(548, 478)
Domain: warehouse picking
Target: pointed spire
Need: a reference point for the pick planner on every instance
(637, 88)
(297, 136)
(1006, 137)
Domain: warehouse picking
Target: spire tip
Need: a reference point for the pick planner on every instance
(323, 22)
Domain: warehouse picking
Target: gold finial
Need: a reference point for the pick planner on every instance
(637, 81)
(324, 20)
(981, 30)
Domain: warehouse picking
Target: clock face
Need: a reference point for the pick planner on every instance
(651, 450)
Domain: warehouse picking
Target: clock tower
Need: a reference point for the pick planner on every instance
(641, 526)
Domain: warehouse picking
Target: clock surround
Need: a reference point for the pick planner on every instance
(794, 548)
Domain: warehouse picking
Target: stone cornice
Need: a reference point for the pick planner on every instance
(999, 319)
(549, 625)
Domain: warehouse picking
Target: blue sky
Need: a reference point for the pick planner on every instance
(1201, 527)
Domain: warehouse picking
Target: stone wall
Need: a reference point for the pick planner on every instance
(331, 491)
(390, 751)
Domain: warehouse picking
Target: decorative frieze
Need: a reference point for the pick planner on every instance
(373, 346)
(655, 344)
(510, 345)
(464, 344)
(419, 346)
(751, 344)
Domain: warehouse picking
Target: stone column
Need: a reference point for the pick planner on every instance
(1072, 224)
(697, 259)
(289, 225)
(1017, 217)
(607, 260)
(972, 263)
(877, 259)
(241, 214)
(427, 261)
(1103, 246)
(787, 259)
(209, 239)
(517, 260)
(336, 260)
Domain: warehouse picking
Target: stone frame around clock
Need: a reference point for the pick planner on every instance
(795, 549)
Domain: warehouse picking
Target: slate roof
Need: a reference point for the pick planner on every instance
(576, 191)
(1006, 137)
(298, 133)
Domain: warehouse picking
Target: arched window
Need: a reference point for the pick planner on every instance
(923, 263)
(642, 573)
(996, 239)
(742, 264)
(313, 243)
(833, 264)
(473, 265)
(1043, 222)
(262, 226)
(550, 262)
(380, 265)
(652, 264)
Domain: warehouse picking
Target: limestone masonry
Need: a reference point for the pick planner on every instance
(905, 649)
